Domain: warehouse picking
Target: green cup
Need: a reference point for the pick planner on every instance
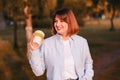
(38, 37)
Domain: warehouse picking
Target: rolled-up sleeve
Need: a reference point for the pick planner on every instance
(37, 62)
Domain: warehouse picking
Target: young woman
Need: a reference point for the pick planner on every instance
(65, 55)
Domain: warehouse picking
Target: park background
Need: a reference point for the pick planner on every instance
(99, 22)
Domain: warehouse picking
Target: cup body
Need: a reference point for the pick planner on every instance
(38, 37)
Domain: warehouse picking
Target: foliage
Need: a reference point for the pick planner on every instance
(44, 23)
(111, 5)
(78, 8)
(12, 9)
(95, 2)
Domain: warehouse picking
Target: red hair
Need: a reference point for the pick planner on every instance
(68, 16)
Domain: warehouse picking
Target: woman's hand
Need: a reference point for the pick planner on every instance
(33, 45)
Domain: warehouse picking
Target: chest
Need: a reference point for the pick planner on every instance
(55, 54)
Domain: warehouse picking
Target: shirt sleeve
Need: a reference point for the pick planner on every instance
(37, 61)
(88, 63)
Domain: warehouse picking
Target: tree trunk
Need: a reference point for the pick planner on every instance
(28, 28)
(15, 35)
(41, 4)
(59, 4)
(112, 18)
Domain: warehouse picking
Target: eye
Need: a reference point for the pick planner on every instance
(62, 21)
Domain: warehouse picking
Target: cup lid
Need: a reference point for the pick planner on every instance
(39, 33)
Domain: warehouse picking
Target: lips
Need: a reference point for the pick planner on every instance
(59, 28)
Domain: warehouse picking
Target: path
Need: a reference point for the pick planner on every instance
(104, 61)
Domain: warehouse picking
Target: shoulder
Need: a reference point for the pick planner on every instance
(50, 39)
(78, 38)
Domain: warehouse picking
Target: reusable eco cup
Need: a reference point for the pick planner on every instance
(38, 37)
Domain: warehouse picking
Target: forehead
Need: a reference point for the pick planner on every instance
(61, 17)
(57, 17)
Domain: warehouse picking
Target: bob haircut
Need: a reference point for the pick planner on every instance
(68, 16)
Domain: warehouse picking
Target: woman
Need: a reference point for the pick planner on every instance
(65, 55)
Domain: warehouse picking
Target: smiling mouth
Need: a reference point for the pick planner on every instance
(59, 28)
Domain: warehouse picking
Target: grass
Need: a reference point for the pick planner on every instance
(104, 47)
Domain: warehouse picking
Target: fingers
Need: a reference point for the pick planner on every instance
(31, 40)
(33, 46)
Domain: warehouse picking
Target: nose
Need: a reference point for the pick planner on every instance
(58, 23)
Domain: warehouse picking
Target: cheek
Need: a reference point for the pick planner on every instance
(54, 25)
(66, 26)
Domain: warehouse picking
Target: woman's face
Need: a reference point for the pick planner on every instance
(60, 26)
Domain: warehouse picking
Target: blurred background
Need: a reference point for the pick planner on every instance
(99, 22)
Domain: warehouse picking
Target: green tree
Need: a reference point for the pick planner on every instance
(113, 5)
(95, 3)
(60, 4)
(12, 11)
(78, 7)
(41, 5)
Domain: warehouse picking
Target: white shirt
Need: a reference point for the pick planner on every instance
(50, 57)
(69, 69)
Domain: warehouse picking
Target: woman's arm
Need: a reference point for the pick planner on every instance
(89, 73)
(37, 62)
(35, 56)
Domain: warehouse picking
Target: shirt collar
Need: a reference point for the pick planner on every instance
(60, 38)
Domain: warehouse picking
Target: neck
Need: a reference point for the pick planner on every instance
(65, 37)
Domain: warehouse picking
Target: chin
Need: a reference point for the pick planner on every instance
(59, 33)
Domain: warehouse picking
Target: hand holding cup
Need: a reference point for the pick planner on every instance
(37, 38)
